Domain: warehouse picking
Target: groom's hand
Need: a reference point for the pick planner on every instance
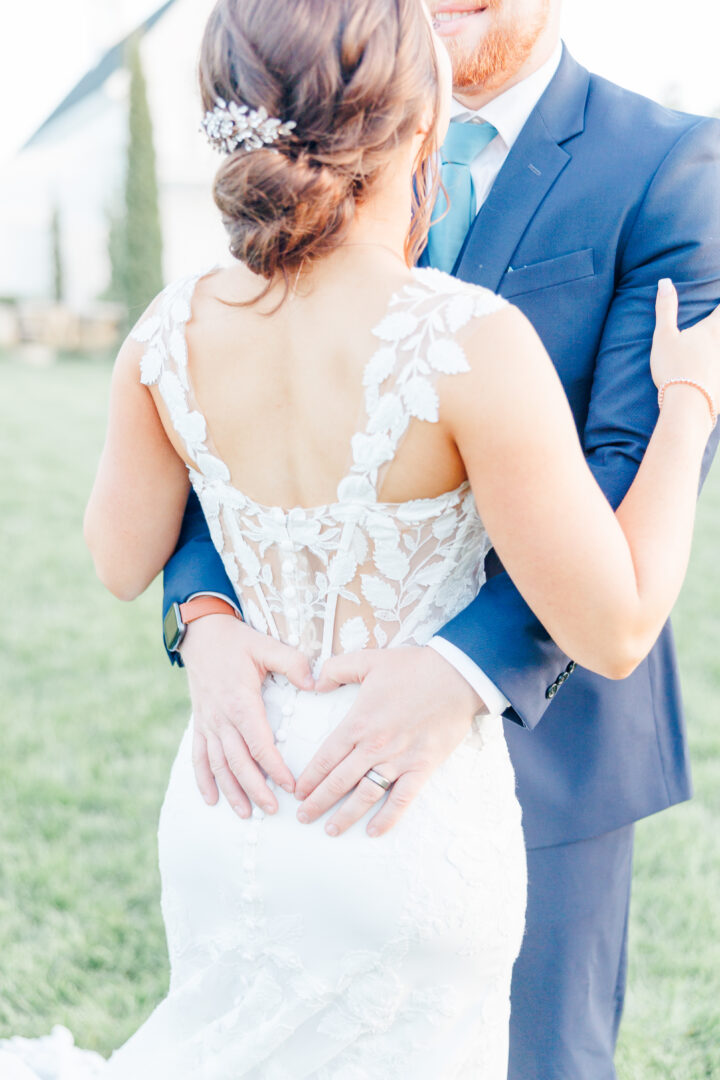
(412, 711)
(233, 744)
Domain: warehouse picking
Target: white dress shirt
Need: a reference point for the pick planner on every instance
(508, 112)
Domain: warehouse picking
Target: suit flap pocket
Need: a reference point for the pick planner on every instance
(541, 275)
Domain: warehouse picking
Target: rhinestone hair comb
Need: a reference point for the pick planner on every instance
(230, 127)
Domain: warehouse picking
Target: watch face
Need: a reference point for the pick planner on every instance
(173, 628)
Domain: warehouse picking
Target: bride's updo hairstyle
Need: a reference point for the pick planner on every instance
(355, 76)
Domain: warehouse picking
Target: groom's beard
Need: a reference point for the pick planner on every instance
(501, 53)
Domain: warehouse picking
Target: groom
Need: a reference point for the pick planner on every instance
(578, 197)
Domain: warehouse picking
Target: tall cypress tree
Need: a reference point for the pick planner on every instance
(135, 237)
(57, 259)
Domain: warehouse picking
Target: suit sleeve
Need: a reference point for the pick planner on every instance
(194, 566)
(675, 233)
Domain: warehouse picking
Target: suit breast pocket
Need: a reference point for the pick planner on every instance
(549, 272)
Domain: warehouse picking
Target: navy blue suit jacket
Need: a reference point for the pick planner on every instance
(603, 193)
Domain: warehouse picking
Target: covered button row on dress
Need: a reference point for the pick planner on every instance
(252, 837)
(287, 711)
(290, 594)
(289, 591)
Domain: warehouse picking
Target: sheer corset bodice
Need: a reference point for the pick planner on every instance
(358, 572)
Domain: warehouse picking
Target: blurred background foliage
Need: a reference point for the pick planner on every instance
(135, 237)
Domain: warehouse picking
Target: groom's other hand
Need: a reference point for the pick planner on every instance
(412, 711)
(233, 745)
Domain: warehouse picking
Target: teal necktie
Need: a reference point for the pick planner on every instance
(463, 143)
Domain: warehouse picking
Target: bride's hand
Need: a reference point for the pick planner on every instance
(692, 354)
(412, 711)
(233, 744)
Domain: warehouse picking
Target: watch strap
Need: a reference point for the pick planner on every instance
(200, 606)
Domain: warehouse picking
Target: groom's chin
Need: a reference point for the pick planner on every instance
(492, 58)
(491, 45)
(482, 61)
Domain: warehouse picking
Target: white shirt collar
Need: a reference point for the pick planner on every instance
(510, 111)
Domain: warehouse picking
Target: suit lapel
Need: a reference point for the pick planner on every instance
(532, 167)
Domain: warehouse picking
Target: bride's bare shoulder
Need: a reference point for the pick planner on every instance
(499, 335)
(506, 363)
(231, 285)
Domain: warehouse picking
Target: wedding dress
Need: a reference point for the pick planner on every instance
(295, 955)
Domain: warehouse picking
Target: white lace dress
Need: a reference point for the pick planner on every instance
(294, 955)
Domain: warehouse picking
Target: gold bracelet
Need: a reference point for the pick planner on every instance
(698, 386)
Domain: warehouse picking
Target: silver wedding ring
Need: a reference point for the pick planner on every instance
(378, 779)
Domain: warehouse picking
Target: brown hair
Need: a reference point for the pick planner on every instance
(355, 76)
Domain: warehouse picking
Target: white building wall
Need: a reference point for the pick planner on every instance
(76, 168)
(79, 163)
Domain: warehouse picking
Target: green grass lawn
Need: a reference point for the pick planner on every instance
(91, 715)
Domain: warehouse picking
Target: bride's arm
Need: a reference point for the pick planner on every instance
(602, 584)
(132, 521)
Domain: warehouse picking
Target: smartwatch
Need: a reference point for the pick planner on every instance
(178, 617)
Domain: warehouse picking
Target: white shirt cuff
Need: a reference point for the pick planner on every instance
(219, 596)
(495, 701)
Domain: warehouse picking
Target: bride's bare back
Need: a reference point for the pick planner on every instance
(283, 393)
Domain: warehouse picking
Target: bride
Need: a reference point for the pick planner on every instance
(356, 431)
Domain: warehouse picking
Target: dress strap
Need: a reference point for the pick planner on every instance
(418, 344)
(165, 363)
